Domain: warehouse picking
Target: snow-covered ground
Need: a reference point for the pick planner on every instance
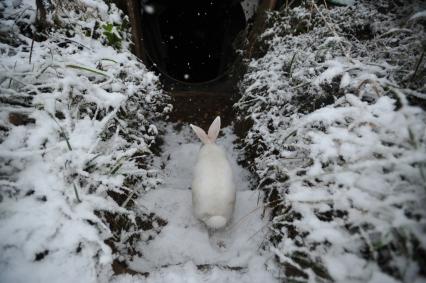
(183, 251)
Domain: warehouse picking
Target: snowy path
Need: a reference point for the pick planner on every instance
(183, 251)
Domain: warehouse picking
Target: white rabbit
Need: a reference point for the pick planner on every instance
(213, 189)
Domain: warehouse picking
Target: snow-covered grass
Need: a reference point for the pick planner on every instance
(76, 127)
(337, 143)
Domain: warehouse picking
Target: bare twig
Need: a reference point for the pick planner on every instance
(418, 65)
(31, 49)
(76, 193)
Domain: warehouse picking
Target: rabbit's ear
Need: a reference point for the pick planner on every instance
(214, 129)
(201, 134)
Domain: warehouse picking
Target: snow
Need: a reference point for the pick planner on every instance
(149, 9)
(184, 243)
(334, 68)
(418, 15)
(189, 272)
(249, 8)
(33, 220)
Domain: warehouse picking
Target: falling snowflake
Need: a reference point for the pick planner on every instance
(149, 9)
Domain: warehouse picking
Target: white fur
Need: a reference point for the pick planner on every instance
(213, 189)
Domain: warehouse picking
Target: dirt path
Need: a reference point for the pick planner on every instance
(184, 251)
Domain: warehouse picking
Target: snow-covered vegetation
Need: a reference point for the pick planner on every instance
(77, 112)
(336, 136)
(95, 181)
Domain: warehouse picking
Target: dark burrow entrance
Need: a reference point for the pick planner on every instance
(191, 41)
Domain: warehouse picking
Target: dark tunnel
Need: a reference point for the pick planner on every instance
(191, 40)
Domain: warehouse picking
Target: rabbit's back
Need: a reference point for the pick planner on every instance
(213, 189)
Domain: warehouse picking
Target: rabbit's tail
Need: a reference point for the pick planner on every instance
(216, 222)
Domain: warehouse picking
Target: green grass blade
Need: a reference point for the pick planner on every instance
(83, 68)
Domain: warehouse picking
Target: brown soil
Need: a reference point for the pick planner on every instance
(199, 105)
(201, 108)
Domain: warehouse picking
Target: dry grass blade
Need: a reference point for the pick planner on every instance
(418, 65)
(76, 193)
(62, 131)
(83, 68)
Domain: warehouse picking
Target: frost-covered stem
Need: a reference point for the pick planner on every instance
(293, 133)
(290, 69)
(128, 199)
(129, 190)
(257, 232)
(239, 104)
(401, 96)
(422, 169)
(31, 49)
(43, 70)
(395, 30)
(115, 169)
(415, 93)
(62, 131)
(243, 218)
(299, 85)
(415, 144)
(105, 83)
(76, 193)
(32, 87)
(418, 65)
